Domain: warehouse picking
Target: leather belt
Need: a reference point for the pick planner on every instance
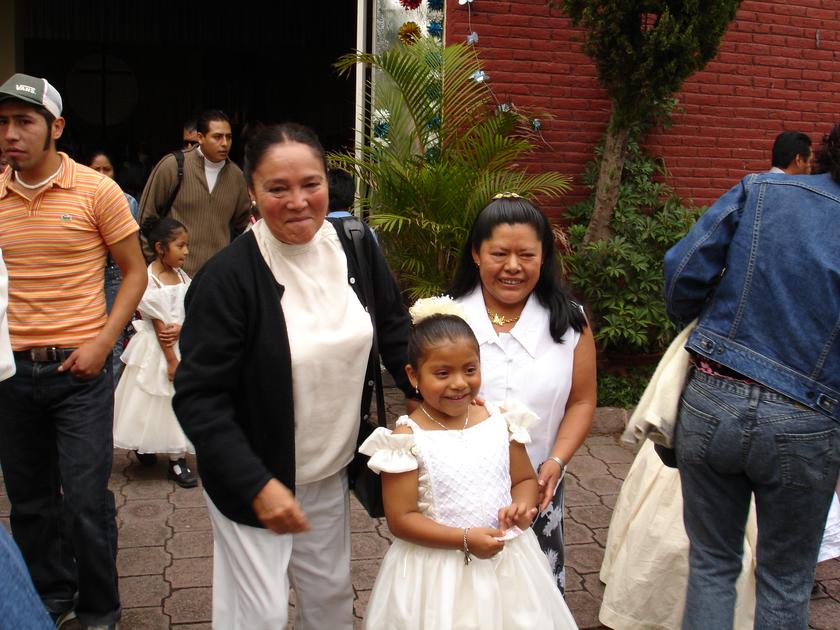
(45, 354)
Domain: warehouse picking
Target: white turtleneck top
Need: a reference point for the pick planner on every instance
(330, 336)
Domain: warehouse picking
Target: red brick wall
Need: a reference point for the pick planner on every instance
(769, 75)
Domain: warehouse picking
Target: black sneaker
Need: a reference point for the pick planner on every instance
(147, 459)
(60, 618)
(181, 474)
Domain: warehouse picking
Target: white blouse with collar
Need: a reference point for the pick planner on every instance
(525, 364)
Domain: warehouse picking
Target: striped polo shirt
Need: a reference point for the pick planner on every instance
(55, 247)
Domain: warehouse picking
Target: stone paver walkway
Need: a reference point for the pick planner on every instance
(165, 543)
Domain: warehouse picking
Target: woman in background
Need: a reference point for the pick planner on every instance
(101, 162)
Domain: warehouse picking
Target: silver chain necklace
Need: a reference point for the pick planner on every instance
(440, 424)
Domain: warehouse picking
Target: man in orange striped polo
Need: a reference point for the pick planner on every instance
(58, 222)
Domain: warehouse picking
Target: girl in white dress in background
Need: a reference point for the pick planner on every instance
(460, 494)
(143, 417)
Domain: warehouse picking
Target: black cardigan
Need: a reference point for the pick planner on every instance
(233, 387)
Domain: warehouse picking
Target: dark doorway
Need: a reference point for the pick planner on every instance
(131, 73)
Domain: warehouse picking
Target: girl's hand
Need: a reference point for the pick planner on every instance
(518, 514)
(171, 366)
(481, 542)
(549, 475)
(277, 509)
(168, 335)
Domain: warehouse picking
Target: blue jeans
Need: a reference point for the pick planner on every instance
(56, 449)
(113, 278)
(20, 607)
(735, 440)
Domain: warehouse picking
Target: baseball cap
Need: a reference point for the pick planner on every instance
(32, 90)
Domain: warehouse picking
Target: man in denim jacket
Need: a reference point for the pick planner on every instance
(760, 414)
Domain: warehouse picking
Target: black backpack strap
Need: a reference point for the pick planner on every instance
(179, 160)
(354, 229)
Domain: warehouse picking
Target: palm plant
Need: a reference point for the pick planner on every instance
(437, 150)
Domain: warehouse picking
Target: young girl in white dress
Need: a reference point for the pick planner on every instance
(143, 417)
(460, 495)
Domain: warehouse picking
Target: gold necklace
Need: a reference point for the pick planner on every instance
(440, 424)
(497, 319)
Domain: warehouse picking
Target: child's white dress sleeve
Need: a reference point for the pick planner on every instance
(389, 452)
(518, 417)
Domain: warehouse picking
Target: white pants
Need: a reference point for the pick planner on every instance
(252, 567)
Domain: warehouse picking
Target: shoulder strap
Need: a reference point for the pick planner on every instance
(355, 231)
(158, 283)
(179, 160)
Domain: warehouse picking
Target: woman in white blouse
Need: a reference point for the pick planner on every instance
(536, 345)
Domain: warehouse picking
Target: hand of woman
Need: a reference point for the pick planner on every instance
(549, 474)
(518, 514)
(482, 542)
(277, 509)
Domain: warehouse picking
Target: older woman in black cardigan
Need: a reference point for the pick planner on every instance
(277, 363)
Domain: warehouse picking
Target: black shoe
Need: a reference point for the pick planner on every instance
(147, 459)
(181, 474)
(60, 618)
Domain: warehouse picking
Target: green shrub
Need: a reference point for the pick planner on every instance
(620, 279)
(623, 390)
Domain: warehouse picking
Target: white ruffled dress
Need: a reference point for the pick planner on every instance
(464, 479)
(143, 416)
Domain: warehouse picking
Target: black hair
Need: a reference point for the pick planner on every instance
(827, 159)
(435, 330)
(342, 187)
(202, 123)
(49, 119)
(788, 145)
(266, 137)
(161, 230)
(563, 312)
(189, 126)
(96, 154)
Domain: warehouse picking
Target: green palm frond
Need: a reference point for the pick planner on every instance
(436, 153)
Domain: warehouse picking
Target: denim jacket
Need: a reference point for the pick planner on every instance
(761, 270)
